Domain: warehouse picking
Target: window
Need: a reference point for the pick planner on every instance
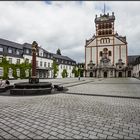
(48, 64)
(48, 56)
(17, 52)
(110, 25)
(0, 59)
(37, 63)
(101, 54)
(27, 60)
(10, 60)
(1, 49)
(69, 67)
(109, 53)
(27, 51)
(40, 63)
(40, 54)
(44, 64)
(1, 71)
(9, 50)
(110, 32)
(18, 61)
(90, 67)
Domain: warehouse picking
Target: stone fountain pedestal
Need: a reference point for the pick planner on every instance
(26, 88)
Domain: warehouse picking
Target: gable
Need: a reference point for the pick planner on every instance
(92, 43)
(118, 41)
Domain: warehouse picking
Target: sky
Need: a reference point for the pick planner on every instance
(67, 24)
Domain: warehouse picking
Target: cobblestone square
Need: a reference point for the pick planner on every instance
(69, 115)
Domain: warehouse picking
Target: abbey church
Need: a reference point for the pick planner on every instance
(106, 52)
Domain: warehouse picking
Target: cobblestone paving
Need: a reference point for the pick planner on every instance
(112, 86)
(69, 116)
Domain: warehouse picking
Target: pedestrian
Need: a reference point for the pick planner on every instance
(7, 82)
(79, 77)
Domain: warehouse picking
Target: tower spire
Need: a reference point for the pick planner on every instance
(104, 8)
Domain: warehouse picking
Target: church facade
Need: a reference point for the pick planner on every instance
(106, 52)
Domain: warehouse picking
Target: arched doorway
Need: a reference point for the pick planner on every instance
(120, 74)
(91, 74)
(129, 73)
(105, 74)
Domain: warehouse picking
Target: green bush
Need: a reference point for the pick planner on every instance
(64, 73)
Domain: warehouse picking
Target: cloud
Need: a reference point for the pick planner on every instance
(66, 24)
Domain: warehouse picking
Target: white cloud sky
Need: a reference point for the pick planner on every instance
(66, 24)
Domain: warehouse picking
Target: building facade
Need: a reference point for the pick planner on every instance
(17, 53)
(106, 53)
(134, 61)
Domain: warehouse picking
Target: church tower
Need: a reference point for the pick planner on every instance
(106, 51)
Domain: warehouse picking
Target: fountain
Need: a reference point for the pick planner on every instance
(33, 87)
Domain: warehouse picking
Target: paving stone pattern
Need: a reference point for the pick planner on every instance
(69, 116)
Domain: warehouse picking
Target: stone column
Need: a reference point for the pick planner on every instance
(34, 78)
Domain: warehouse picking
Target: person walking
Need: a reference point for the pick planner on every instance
(79, 77)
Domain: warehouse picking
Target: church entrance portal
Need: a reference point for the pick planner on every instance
(120, 74)
(105, 74)
(91, 74)
(129, 73)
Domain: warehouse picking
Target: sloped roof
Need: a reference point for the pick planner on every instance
(132, 59)
(122, 38)
(27, 45)
(10, 43)
(62, 57)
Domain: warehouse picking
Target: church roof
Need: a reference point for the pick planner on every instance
(105, 17)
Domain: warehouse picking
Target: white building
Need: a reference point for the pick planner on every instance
(18, 53)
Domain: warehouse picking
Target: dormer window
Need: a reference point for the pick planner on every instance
(17, 52)
(27, 51)
(10, 50)
(1, 49)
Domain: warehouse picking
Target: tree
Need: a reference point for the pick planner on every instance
(75, 72)
(58, 51)
(55, 68)
(64, 73)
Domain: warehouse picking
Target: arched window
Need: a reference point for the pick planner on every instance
(103, 26)
(102, 32)
(99, 26)
(109, 53)
(99, 32)
(107, 25)
(110, 25)
(101, 54)
(110, 32)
